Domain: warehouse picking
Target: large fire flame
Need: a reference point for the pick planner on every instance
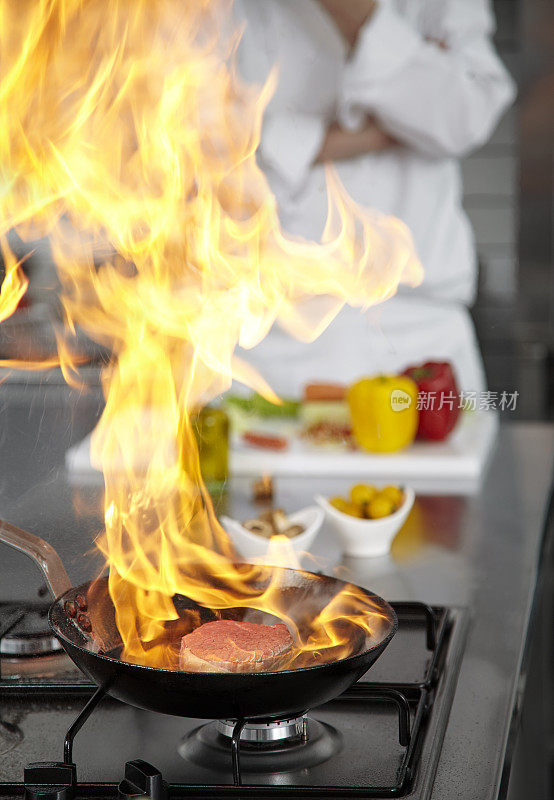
(128, 139)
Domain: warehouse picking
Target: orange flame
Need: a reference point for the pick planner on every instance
(14, 284)
(127, 137)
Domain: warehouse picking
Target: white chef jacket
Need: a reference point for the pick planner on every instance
(440, 104)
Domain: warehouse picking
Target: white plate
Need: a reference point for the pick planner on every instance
(455, 464)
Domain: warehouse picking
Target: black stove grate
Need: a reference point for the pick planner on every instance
(413, 700)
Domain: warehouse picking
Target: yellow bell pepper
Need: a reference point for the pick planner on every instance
(384, 412)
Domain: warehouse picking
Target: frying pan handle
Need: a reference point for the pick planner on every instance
(42, 553)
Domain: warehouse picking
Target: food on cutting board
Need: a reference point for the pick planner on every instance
(384, 412)
(324, 392)
(244, 411)
(366, 501)
(325, 415)
(379, 414)
(260, 423)
(273, 522)
(439, 399)
(230, 646)
(265, 441)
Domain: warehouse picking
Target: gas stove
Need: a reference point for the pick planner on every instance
(62, 737)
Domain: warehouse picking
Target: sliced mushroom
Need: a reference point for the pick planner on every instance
(280, 520)
(259, 527)
(293, 530)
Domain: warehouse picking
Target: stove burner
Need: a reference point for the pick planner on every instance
(314, 743)
(27, 632)
(267, 733)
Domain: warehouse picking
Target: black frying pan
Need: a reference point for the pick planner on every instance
(90, 637)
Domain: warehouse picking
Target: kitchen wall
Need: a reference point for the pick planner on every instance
(491, 180)
(509, 200)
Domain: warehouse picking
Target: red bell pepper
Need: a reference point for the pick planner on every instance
(438, 399)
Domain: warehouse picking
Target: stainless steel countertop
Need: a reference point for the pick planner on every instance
(481, 551)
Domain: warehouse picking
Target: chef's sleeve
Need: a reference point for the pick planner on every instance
(289, 145)
(290, 138)
(443, 101)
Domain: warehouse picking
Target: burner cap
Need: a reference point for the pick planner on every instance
(29, 636)
(208, 748)
(266, 732)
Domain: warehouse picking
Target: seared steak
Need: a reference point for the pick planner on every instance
(229, 646)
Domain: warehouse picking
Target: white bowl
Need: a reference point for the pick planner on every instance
(259, 549)
(367, 537)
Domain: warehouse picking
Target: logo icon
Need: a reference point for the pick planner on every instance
(400, 400)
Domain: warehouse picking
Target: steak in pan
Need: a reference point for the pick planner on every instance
(230, 646)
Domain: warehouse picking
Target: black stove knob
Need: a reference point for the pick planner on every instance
(50, 780)
(142, 780)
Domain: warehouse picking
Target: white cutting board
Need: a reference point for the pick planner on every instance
(461, 458)
(455, 465)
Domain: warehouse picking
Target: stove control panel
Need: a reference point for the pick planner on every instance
(142, 780)
(50, 780)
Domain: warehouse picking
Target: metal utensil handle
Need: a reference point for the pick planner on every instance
(42, 553)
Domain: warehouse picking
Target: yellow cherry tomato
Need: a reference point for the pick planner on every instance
(347, 507)
(355, 510)
(394, 494)
(380, 507)
(362, 493)
(340, 504)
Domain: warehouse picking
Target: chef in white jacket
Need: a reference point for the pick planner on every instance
(394, 93)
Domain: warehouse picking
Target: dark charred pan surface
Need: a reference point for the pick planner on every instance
(288, 692)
